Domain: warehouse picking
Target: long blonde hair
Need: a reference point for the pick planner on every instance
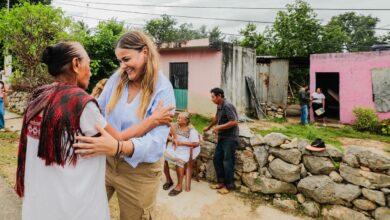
(137, 40)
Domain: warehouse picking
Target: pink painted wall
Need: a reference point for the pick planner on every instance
(355, 78)
(204, 73)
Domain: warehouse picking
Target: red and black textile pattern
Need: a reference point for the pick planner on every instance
(62, 105)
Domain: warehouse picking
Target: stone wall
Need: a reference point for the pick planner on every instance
(18, 102)
(332, 184)
(273, 111)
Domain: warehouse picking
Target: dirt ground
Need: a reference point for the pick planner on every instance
(200, 203)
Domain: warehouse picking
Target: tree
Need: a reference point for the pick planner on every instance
(385, 38)
(333, 39)
(100, 45)
(359, 29)
(186, 32)
(29, 30)
(166, 29)
(215, 35)
(296, 32)
(163, 30)
(253, 39)
(3, 3)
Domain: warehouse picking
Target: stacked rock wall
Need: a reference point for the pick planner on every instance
(332, 184)
(18, 102)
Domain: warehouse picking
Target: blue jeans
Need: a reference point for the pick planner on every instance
(304, 114)
(2, 112)
(224, 162)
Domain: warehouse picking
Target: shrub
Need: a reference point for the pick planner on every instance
(366, 120)
(26, 30)
(385, 127)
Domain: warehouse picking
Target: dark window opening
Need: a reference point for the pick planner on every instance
(330, 86)
(178, 74)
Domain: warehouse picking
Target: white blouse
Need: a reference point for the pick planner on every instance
(69, 192)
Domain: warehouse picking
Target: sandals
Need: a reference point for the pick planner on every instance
(223, 191)
(174, 192)
(216, 186)
(167, 185)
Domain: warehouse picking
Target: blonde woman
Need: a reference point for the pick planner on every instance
(131, 95)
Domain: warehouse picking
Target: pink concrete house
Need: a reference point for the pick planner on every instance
(196, 66)
(351, 80)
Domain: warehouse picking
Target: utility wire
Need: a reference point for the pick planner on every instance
(182, 16)
(185, 16)
(102, 19)
(226, 7)
(141, 25)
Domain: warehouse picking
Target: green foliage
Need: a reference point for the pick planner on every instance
(328, 134)
(253, 39)
(333, 38)
(366, 119)
(336, 165)
(358, 28)
(278, 120)
(3, 3)
(30, 29)
(216, 35)
(296, 32)
(166, 29)
(199, 122)
(385, 127)
(100, 45)
(162, 29)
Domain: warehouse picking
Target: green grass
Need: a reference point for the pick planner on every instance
(329, 135)
(278, 120)
(8, 156)
(200, 122)
(8, 136)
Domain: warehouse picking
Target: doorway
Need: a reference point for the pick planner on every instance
(178, 75)
(330, 86)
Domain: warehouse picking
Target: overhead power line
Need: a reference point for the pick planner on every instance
(102, 19)
(136, 24)
(181, 16)
(225, 7)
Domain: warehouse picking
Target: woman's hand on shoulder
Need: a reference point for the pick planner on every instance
(94, 146)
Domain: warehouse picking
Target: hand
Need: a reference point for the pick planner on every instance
(216, 129)
(161, 115)
(94, 146)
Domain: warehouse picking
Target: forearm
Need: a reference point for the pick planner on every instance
(113, 132)
(188, 144)
(228, 125)
(139, 130)
(213, 122)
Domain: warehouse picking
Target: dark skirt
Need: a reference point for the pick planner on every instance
(315, 107)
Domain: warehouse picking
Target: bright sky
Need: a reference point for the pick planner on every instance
(86, 10)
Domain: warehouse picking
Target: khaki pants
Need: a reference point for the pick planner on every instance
(136, 187)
